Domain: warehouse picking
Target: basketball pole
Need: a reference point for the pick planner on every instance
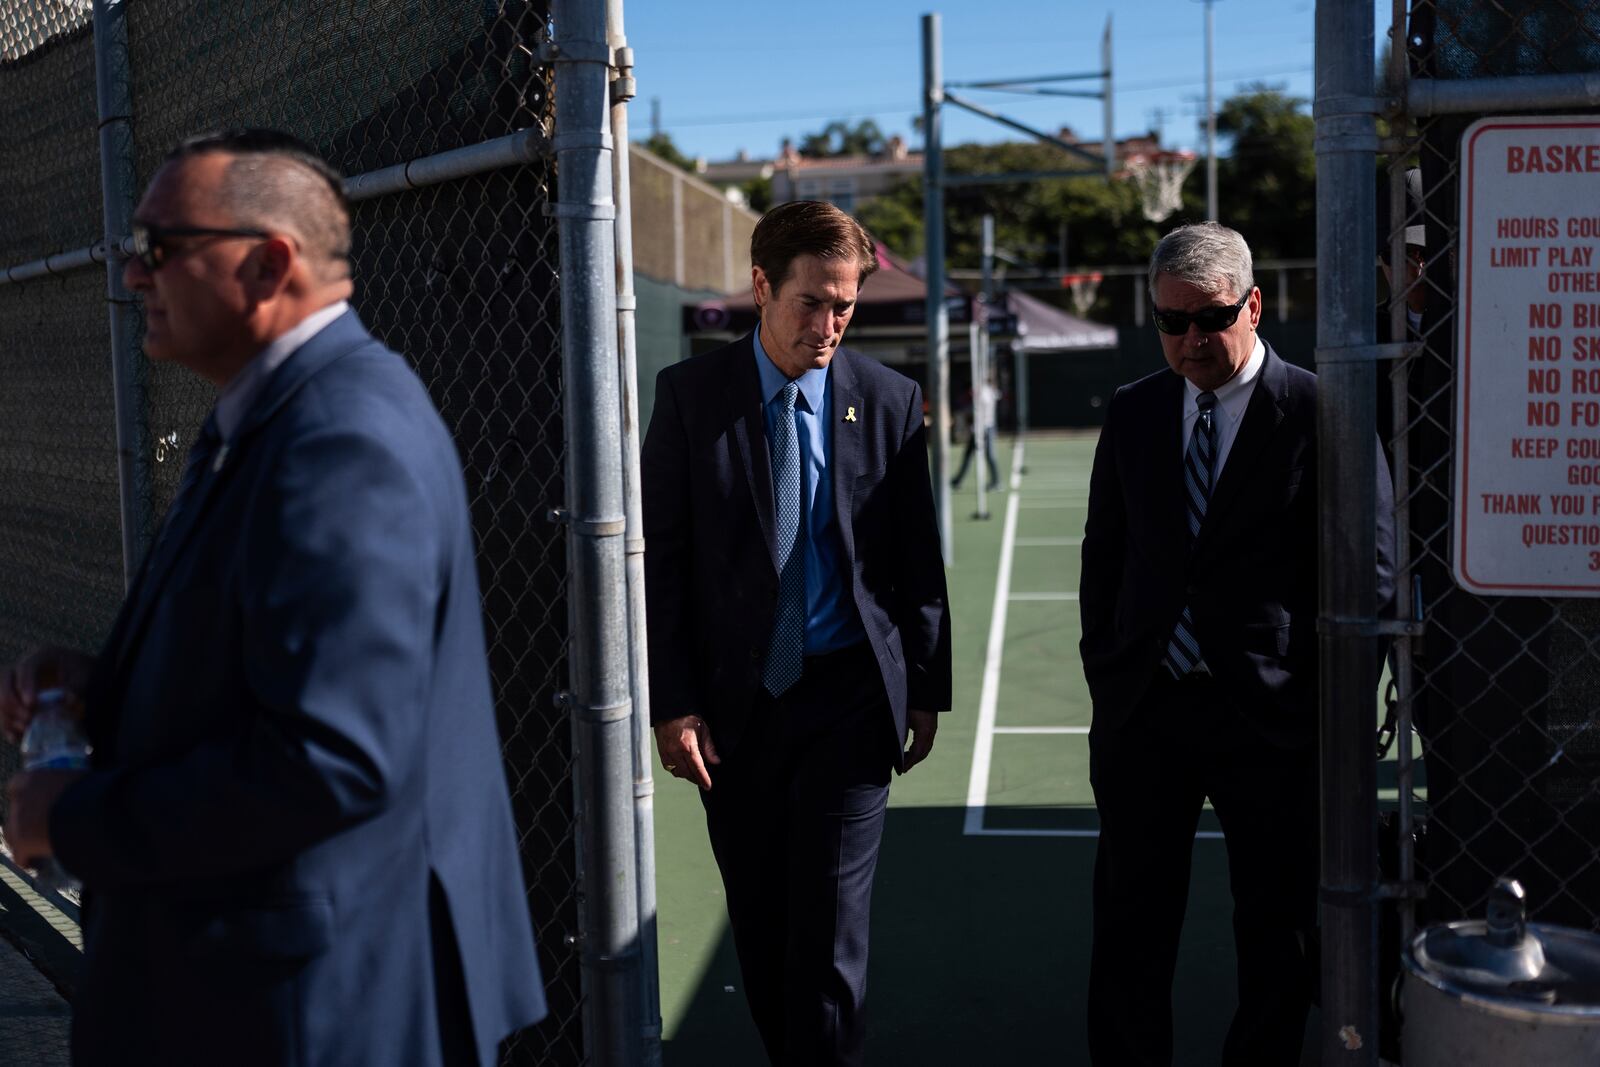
(937, 313)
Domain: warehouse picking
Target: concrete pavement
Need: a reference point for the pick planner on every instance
(38, 957)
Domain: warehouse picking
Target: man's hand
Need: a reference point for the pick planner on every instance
(921, 725)
(41, 668)
(31, 795)
(685, 747)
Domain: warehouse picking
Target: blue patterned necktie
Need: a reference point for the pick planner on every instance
(786, 650)
(1199, 478)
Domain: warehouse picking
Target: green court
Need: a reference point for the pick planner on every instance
(981, 914)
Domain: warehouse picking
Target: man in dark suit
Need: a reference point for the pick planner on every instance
(1199, 607)
(797, 617)
(295, 837)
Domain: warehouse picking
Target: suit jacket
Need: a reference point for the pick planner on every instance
(297, 801)
(1250, 580)
(711, 574)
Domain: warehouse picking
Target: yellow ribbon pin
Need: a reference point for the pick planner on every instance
(849, 414)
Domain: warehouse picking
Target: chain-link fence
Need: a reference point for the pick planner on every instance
(1505, 688)
(460, 276)
(1493, 723)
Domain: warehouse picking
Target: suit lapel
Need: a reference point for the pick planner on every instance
(1166, 467)
(341, 337)
(750, 439)
(845, 435)
(1262, 415)
(170, 546)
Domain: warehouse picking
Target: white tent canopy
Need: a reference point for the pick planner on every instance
(1042, 328)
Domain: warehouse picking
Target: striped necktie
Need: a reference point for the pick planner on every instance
(1199, 478)
(786, 650)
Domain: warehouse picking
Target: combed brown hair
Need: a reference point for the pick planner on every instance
(809, 228)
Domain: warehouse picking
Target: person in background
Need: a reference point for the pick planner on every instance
(985, 410)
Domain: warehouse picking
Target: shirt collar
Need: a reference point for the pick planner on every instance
(1232, 388)
(813, 383)
(234, 399)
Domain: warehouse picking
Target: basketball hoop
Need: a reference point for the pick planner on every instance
(1159, 177)
(1083, 287)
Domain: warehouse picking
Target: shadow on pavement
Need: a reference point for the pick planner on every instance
(980, 951)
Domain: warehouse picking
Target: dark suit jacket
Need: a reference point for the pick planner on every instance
(298, 794)
(711, 575)
(1251, 579)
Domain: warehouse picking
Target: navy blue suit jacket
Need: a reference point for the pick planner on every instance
(711, 574)
(1250, 579)
(298, 800)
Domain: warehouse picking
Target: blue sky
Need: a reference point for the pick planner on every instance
(733, 75)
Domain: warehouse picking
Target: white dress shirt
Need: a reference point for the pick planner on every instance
(1233, 396)
(235, 398)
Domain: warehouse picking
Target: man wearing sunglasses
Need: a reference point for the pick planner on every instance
(295, 836)
(1199, 605)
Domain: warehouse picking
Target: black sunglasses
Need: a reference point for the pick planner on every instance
(150, 243)
(1210, 320)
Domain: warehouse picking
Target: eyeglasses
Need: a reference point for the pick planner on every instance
(151, 243)
(1210, 320)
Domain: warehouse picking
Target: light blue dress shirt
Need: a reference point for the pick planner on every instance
(831, 619)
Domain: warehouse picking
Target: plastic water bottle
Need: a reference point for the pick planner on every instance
(54, 740)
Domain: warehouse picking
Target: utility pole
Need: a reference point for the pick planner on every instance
(1110, 145)
(1211, 114)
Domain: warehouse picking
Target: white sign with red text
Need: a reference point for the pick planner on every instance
(1527, 462)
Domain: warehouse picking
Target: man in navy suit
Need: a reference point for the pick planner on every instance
(1199, 607)
(295, 837)
(798, 624)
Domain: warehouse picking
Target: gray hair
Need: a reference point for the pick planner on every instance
(1208, 256)
(279, 192)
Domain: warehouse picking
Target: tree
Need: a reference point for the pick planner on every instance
(663, 145)
(1267, 184)
(1267, 190)
(1103, 219)
(757, 193)
(839, 138)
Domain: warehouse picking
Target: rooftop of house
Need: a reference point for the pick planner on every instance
(895, 158)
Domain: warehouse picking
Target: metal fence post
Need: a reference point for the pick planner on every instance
(938, 316)
(115, 105)
(622, 91)
(1346, 145)
(600, 700)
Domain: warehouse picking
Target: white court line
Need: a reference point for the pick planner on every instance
(1043, 596)
(1041, 729)
(988, 701)
(1200, 835)
(983, 744)
(1049, 542)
